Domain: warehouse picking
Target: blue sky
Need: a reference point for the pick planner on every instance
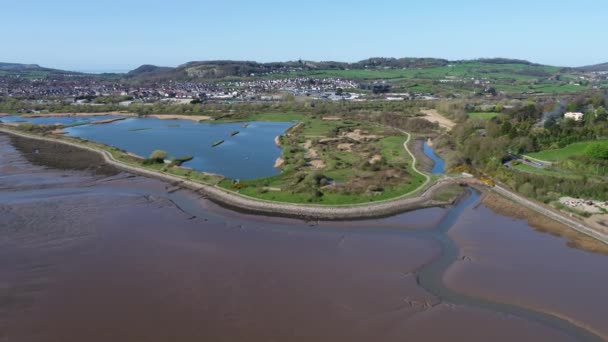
(120, 35)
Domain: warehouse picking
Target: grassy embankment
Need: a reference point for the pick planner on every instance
(546, 172)
(572, 150)
(570, 162)
(124, 157)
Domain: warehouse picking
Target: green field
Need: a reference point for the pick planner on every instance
(486, 116)
(560, 154)
(510, 78)
(515, 72)
(545, 172)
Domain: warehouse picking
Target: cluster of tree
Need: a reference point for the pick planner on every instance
(407, 123)
(485, 146)
(381, 88)
(156, 157)
(548, 189)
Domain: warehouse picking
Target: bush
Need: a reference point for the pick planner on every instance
(158, 156)
(597, 151)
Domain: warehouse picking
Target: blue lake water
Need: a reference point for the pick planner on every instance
(248, 155)
(63, 120)
(439, 166)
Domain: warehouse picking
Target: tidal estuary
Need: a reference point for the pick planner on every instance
(88, 253)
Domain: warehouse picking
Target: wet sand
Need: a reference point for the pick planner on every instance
(93, 256)
(544, 271)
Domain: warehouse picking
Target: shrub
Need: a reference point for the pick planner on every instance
(597, 151)
(158, 156)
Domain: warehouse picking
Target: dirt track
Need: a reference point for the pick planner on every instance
(433, 116)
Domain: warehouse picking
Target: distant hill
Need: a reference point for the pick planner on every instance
(148, 70)
(31, 70)
(504, 61)
(199, 70)
(593, 68)
(16, 66)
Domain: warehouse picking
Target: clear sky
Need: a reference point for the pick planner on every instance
(119, 35)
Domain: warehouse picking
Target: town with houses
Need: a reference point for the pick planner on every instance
(79, 89)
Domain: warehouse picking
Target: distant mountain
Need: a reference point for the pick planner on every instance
(593, 68)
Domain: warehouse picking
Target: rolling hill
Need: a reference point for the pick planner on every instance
(593, 68)
(31, 71)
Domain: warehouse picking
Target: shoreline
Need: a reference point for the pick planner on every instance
(541, 223)
(195, 118)
(418, 199)
(247, 204)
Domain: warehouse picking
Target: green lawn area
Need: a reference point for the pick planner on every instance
(486, 116)
(393, 151)
(329, 198)
(321, 128)
(560, 154)
(545, 172)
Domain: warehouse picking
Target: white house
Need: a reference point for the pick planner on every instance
(574, 116)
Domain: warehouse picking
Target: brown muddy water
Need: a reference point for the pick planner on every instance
(97, 255)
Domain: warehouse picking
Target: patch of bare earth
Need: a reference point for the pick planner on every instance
(598, 222)
(359, 135)
(433, 115)
(345, 147)
(317, 164)
(375, 159)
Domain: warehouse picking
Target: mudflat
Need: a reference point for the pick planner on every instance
(548, 267)
(93, 256)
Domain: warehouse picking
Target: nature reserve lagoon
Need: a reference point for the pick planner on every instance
(247, 155)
